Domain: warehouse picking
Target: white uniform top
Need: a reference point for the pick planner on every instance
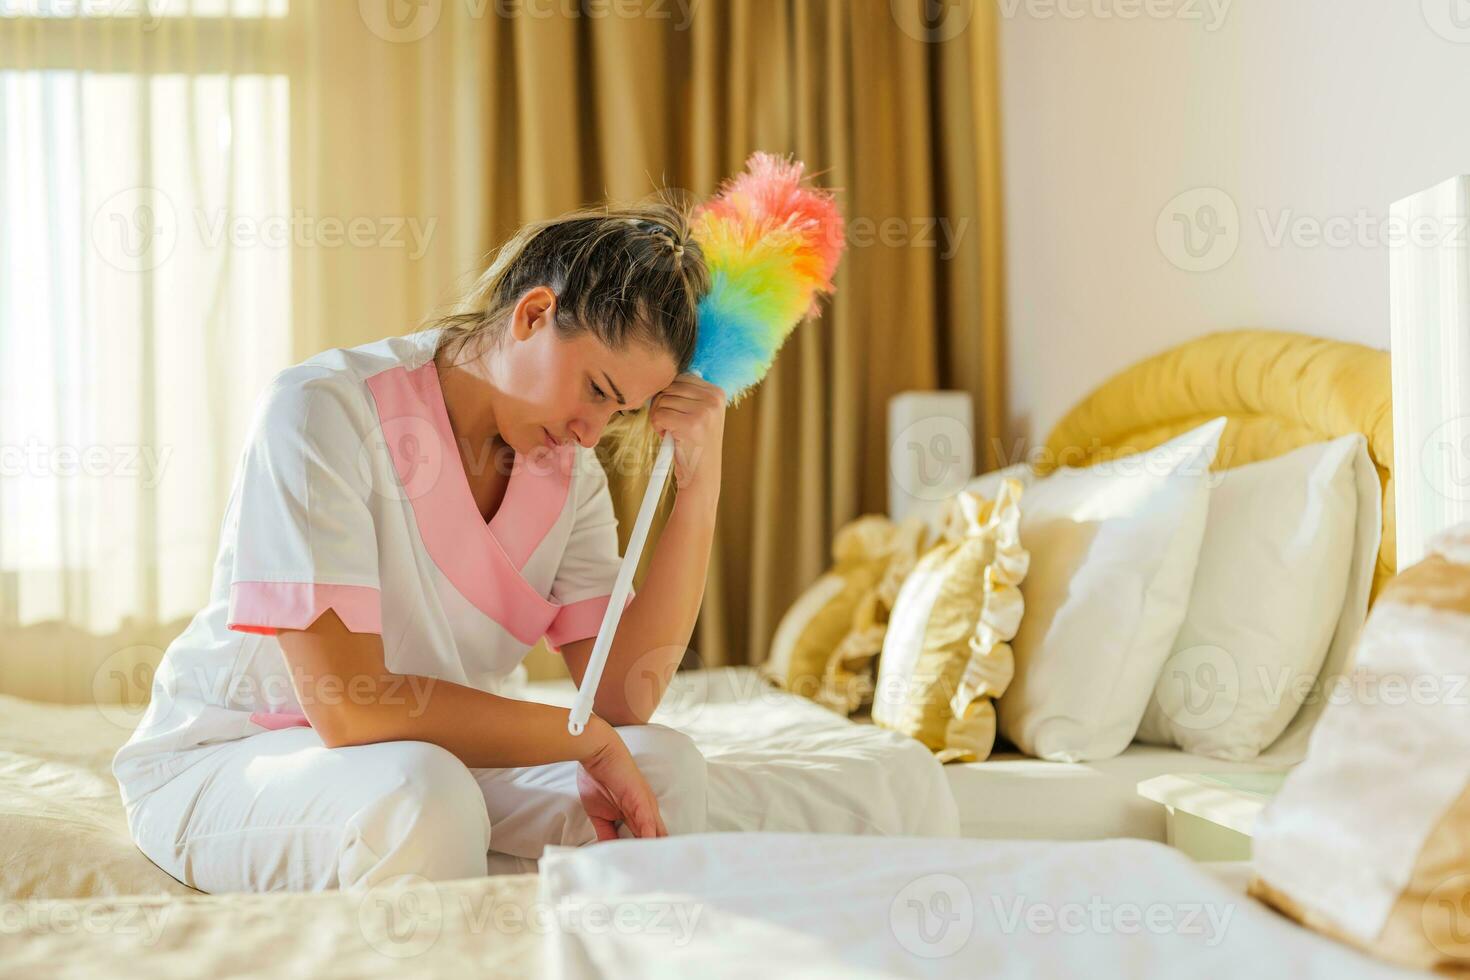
(351, 495)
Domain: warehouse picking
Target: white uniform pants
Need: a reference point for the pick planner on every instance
(279, 811)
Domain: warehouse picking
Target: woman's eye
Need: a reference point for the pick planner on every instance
(597, 391)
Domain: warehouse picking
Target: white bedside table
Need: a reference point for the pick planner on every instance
(1210, 815)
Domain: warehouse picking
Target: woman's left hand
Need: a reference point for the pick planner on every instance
(693, 410)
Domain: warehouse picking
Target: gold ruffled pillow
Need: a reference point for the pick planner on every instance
(815, 626)
(1391, 750)
(946, 653)
(847, 682)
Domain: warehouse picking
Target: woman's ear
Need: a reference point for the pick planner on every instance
(536, 309)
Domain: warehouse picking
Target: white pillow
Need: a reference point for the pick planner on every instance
(1291, 747)
(1268, 593)
(1113, 551)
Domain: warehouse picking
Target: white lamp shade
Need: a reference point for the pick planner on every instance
(1429, 300)
(931, 448)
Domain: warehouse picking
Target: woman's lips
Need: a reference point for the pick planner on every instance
(550, 442)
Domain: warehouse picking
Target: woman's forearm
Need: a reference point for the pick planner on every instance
(654, 632)
(351, 698)
(483, 730)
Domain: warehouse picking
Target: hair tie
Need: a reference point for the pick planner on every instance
(662, 231)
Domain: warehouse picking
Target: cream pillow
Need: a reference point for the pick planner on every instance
(847, 683)
(945, 654)
(1113, 552)
(810, 632)
(1367, 840)
(1268, 594)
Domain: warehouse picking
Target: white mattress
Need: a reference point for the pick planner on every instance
(1014, 796)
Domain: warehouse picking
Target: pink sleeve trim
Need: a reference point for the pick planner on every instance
(579, 620)
(266, 607)
(276, 720)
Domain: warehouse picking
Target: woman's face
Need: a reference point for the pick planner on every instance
(567, 390)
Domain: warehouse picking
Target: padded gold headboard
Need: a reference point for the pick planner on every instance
(1278, 391)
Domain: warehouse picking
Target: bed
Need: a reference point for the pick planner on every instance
(712, 905)
(93, 905)
(779, 764)
(529, 926)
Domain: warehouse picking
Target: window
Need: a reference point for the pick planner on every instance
(145, 269)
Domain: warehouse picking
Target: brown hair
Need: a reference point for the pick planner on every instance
(625, 273)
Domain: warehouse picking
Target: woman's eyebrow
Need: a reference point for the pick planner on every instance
(614, 387)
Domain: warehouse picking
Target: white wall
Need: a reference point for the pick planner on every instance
(1317, 112)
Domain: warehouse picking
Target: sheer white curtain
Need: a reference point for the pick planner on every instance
(145, 299)
(193, 195)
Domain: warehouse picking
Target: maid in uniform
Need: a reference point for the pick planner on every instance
(408, 519)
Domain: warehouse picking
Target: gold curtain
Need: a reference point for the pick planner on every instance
(516, 117)
(440, 126)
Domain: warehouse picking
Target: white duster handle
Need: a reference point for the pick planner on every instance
(582, 707)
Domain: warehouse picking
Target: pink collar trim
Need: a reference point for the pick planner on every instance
(483, 561)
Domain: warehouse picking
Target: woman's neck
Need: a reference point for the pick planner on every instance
(467, 399)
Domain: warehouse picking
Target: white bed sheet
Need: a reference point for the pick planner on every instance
(724, 905)
(1015, 797)
(779, 762)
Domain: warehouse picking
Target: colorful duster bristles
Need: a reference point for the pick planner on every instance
(772, 246)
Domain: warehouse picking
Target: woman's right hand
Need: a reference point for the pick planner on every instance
(613, 791)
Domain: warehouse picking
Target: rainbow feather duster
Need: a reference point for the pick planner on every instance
(772, 245)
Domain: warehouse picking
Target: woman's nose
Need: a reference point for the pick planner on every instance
(588, 430)
(586, 433)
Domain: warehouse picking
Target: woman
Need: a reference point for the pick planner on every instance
(409, 518)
